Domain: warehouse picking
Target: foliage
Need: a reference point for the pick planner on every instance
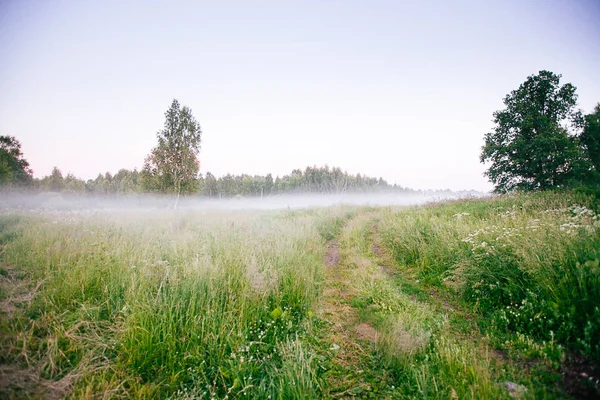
(534, 144)
(529, 263)
(590, 137)
(311, 180)
(14, 169)
(173, 165)
(55, 182)
(124, 182)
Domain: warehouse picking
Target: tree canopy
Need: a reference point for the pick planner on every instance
(311, 180)
(14, 169)
(535, 144)
(590, 137)
(173, 165)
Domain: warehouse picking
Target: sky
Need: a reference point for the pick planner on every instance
(404, 90)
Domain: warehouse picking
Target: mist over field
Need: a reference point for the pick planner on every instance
(72, 202)
(310, 200)
(237, 298)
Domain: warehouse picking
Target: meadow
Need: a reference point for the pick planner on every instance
(466, 299)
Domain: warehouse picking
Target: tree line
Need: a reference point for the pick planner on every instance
(172, 167)
(541, 140)
(131, 182)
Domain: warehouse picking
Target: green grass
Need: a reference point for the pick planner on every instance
(525, 267)
(531, 262)
(159, 305)
(421, 350)
(464, 296)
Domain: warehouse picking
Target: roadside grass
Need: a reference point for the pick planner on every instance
(422, 353)
(524, 267)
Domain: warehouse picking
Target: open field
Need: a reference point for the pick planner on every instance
(467, 299)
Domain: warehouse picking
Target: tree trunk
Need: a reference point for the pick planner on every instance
(178, 194)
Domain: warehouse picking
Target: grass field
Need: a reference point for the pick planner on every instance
(471, 299)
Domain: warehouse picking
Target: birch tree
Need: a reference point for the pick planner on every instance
(173, 165)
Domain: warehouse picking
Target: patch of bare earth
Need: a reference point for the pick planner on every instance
(377, 250)
(581, 378)
(332, 257)
(366, 332)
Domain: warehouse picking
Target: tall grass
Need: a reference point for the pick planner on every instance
(142, 305)
(416, 344)
(529, 263)
(221, 305)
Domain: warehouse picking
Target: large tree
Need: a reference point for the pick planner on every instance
(590, 137)
(534, 144)
(14, 169)
(173, 165)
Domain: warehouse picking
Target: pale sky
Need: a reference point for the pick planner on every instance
(399, 89)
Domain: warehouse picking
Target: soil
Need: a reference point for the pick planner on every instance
(332, 258)
(366, 332)
(581, 378)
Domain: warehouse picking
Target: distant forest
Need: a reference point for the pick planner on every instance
(311, 180)
(173, 167)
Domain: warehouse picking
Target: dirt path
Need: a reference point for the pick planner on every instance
(346, 351)
(352, 341)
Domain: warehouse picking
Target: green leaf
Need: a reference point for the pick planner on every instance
(276, 313)
(224, 372)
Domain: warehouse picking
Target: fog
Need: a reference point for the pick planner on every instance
(52, 201)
